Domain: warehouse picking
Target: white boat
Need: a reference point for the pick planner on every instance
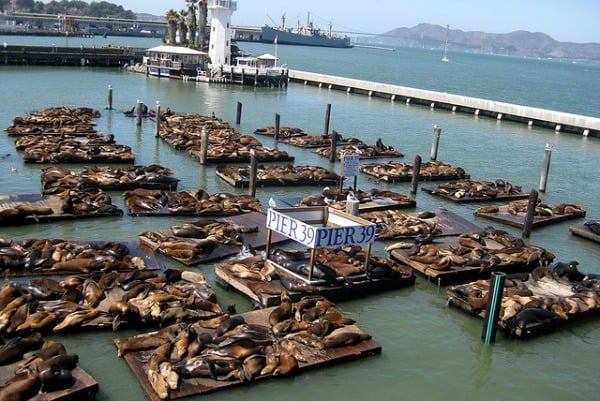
(445, 59)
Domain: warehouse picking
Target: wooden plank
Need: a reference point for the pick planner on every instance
(313, 358)
(518, 219)
(584, 232)
(256, 240)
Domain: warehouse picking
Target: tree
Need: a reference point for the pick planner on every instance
(182, 27)
(5, 5)
(24, 5)
(203, 17)
(172, 17)
(191, 21)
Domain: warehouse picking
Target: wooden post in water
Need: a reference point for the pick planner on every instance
(533, 198)
(252, 175)
(238, 114)
(327, 117)
(333, 146)
(138, 112)
(415, 175)
(277, 126)
(157, 120)
(437, 131)
(546, 167)
(109, 105)
(203, 145)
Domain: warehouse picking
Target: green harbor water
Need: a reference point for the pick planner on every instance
(429, 350)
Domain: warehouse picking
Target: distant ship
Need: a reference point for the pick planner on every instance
(306, 36)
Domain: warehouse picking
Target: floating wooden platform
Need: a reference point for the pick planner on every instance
(278, 176)
(313, 141)
(254, 239)
(150, 262)
(284, 132)
(56, 179)
(374, 204)
(547, 289)
(33, 208)
(406, 225)
(402, 172)
(583, 231)
(518, 219)
(141, 202)
(262, 154)
(468, 190)
(474, 269)
(364, 152)
(84, 388)
(314, 358)
(269, 294)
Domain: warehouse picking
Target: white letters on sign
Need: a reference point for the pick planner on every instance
(319, 237)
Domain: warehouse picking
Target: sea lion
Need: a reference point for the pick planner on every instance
(55, 380)
(344, 337)
(229, 324)
(22, 388)
(282, 311)
(15, 348)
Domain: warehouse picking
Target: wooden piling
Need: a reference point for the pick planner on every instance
(546, 167)
(528, 224)
(327, 117)
(110, 98)
(277, 126)
(157, 120)
(252, 176)
(238, 114)
(203, 146)
(334, 138)
(437, 131)
(415, 175)
(138, 112)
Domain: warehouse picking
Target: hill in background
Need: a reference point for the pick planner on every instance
(516, 44)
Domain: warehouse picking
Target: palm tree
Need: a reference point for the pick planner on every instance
(202, 23)
(192, 24)
(172, 17)
(182, 27)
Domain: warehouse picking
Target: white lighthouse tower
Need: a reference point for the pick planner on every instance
(219, 49)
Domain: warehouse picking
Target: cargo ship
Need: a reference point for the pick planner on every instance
(306, 35)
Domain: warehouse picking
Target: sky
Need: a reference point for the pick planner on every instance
(564, 20)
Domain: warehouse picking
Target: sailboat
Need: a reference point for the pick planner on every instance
(445, 58)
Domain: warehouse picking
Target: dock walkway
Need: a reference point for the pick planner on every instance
(559, 121)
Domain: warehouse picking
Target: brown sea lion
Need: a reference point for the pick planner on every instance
(24, 387)
(282, 311)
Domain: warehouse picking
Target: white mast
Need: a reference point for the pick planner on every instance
(445, 58)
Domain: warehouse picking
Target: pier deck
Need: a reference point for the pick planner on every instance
(558, 121)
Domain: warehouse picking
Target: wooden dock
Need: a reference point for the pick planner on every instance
(69, 56)
(312, 358)
(558, 121)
